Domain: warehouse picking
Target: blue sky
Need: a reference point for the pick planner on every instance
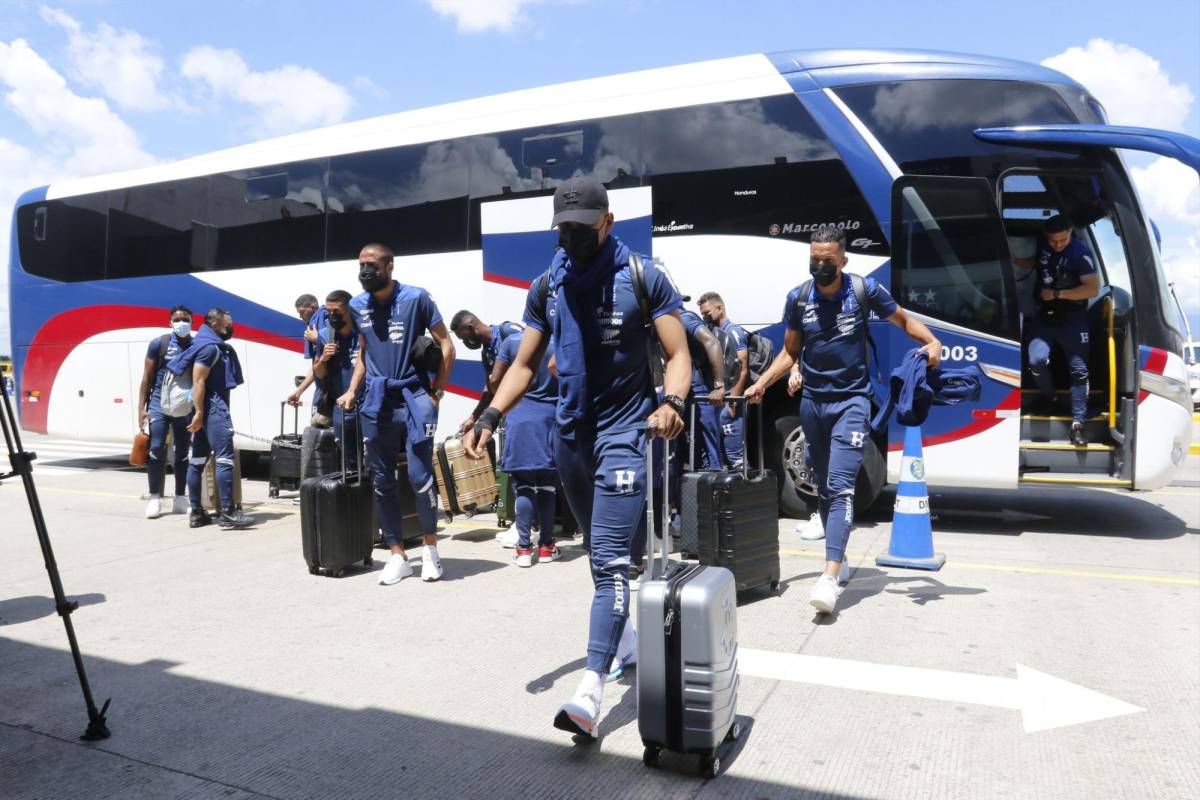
(93, 86)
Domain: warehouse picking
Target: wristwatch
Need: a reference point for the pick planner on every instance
(674, 402)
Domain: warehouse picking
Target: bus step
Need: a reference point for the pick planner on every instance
(1074, 479)
(1036, 428)
(1065, 457)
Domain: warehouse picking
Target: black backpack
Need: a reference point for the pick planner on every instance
(762, 353)
(733, 364)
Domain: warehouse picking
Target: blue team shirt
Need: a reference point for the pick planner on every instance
(1063, 270)
(620, 386)
(390, 329)
(341, 367)
(174, 346)
(701, 368)
(544, 388)
(500, 333)
(834, 359)
(320, 321)
(215, 385)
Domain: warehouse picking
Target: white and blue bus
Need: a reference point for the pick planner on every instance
(938, 166)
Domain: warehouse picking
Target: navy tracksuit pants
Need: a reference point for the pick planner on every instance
(537, 502)
(604, 477)
(386, 438)
(1070, 335)
(215, 437)
(156, 466)
(835, 433)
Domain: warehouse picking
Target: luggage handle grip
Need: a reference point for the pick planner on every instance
(295, 418)
(657, 569)
(758, 429)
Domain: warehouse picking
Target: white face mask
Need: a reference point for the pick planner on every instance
(182, 328)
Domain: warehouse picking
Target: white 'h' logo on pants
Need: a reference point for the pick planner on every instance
(856, 438)
(625, 479)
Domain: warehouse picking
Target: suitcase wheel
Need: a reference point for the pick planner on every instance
(710, 766)
(368, 561)
(273, 491)
(332, 574)
(735, 732)
(650, 756)
(774, 590)
(313, 569)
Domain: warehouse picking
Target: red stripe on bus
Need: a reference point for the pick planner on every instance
(493, 277)
(1010, 403)
(1156, 362)
(62, 333)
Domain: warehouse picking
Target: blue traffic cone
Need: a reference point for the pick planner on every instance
(912, 535)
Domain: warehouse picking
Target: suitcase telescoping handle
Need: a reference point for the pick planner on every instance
(657, 569)
(295, 418)
(745, 456)
(358, 444)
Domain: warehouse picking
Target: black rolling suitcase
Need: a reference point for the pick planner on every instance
(285, 456)
(687, 670)
(318, 452)
(731, 520)
(337, 520)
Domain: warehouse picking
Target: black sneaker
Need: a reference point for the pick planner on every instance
(198, 518)
(234, 518)
(1077, 436)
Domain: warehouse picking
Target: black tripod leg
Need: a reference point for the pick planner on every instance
(22, 464)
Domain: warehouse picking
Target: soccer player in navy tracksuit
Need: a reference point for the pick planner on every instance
(528, 455)
(315, 321)
(161, 350)
(606, 402)
(835, 404)
(215, 372)
(399, 408)
(731, 425)
(478, 335)
(334, 370)
(708, 378)
(1066, 280)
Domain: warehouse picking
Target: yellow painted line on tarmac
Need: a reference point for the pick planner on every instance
(1067, 573)
(1194, 449)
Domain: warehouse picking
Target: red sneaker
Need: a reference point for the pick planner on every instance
(523, 557)
(549, 553)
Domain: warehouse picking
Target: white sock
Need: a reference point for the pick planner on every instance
(592, 683)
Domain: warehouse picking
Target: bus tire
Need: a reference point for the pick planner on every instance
(797, 493)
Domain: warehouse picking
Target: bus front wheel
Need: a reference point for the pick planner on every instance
(797, 490)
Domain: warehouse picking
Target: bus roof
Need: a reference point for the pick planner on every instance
(721, 80)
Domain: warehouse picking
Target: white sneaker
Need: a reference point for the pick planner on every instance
(582, 713)
(507, 538)
(844, 573)
(523, 557)
(395, 570)
(154, 508)
(811, 530)
(431, 563)
(825, 594)
(180, 505)
(626, 652)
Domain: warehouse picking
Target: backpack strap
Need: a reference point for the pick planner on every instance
(805, 291)
(161, 356)
(859, 284)
(637, 274)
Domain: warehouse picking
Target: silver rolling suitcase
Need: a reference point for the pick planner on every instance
(686, 615)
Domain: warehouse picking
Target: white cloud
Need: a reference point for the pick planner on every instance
(78, 136)
(1132, 86)
(1170, 191)
(1181, 262)
(289, 98)
(477, 16)
(117, 62)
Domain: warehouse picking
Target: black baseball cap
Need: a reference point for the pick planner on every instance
(579, 199)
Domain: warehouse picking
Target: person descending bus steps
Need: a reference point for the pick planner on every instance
(399, 407)
(1066, 280)
(216, 371)
(161, 350)
(826, 329)
(528, 455)
(316, 322)
(606, 403)
(334, 370)
(478, 335)
(732, 426)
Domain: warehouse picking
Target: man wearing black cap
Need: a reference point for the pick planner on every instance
(601, 327)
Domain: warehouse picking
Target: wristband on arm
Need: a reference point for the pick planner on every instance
(489, 420)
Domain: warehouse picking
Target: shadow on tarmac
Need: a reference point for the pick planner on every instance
(866, 582)
(189, 730)
(15, 610)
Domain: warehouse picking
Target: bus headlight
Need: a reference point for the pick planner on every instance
(1171, 389)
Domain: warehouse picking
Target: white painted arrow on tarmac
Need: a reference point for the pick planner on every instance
(1045, 702)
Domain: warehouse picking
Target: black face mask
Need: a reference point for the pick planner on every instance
(472, 342)
(581, 244)
(372, 279)
(227, 335)
(823, 272)
(336, 321)
(709, 321)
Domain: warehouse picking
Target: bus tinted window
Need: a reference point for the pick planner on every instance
(928, 126)
(267, 217)
(158, 229)
(752, 168)
(413, 199)
(63, 239)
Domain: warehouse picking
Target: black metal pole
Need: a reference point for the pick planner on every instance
(22, 464)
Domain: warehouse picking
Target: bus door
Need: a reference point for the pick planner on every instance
(951, 268)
